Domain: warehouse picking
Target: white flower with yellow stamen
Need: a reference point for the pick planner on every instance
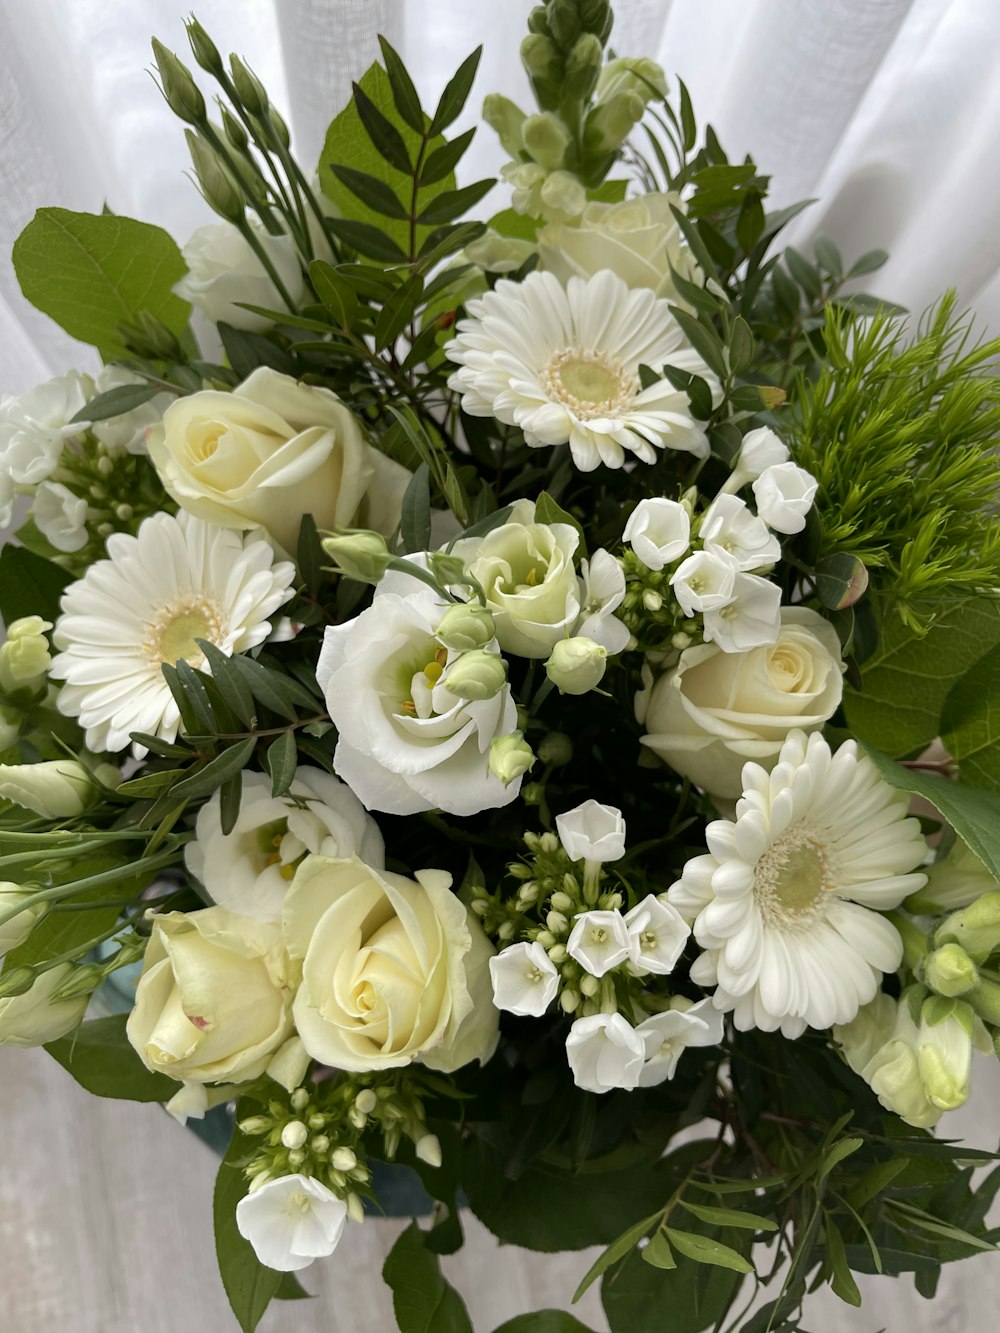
(563, 364)
(176, 581)
(783, 904)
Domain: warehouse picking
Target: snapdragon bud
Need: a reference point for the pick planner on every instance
(359, 554)
(546, 138)
(506, 119)
(976, 927)
(950, 971)
(634, 74)
(24, 658)
(562, 197)
(428, 1149)
(465, 626)
(542, 60)
(944, 1051)
(179, 88)
(577, 665)
(476, 675)
(610, 123)
(218, 185)
(510, 757)
(583, 66)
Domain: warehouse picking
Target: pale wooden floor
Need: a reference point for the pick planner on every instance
(105, 1227)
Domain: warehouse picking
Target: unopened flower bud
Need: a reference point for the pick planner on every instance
(24, 658)
(546, 138)
(476, 675)
(632, 74)
(540, 57)
(255, 1124)
(56, 789)
(562, 197)
(465, 626)
(652, 600)
(343, 1159)
(503, 116)
(205, 51)
(944, 1051)
(545, 938)
(359, 554)
(950, 971)
(557, 922)
(583, 66)
(218, 184)
(556, 749)
(355, 1208)
(589, 985)
(320, 1144)
(296, 1157)
(533, 793)
(510, 757)
(294, 1134)
(562, 902)
(558, 954)
(976, 927)
(234, 131)
(610, 123)
(506, 930)
(299, 1099)
(569, 1000)
(428, 1149)
(447, 569)
(366, 1101)
(16, 981)
(179, 88)
(577, 665)
(249, 88)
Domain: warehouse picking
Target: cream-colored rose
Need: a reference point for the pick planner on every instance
(393, 969)
(526, 570)
(34, 1018)
(638, 239)
(270, 452)
(213, 1003)
(715, 711)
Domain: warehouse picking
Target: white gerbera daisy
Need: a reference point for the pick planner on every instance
(563, 364)
(178, 580)
(782, 905)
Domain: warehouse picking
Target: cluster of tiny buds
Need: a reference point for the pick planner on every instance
(650, 610)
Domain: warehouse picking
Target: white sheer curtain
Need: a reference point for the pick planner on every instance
(887, 111)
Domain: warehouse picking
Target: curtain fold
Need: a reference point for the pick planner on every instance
(888, 111)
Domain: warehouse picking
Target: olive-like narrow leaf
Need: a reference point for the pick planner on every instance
(230, 796)
(231, 761)
(383, 134)
(705, 341)
(689, 128)
(367, 240)
(398, 311)
(282, 760)
(370, 190)
(265, 690)
(451, 204)
(115, 402)
(704, 1250)
(403, 92)
(456, 93)
(415, 519)
(444, 159)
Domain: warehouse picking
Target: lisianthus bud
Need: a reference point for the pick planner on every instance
(218, 184)
(465, 626)
(577, 665)
(611, 122)
(58, 789)
(179, 88)
(506, 119)
(510, 757)
(32, 1017)
(359, 553)
(205, 51)
(476, 675)
(546, 138)
(16, 928)
(447, 569)
(249, 88)
(24, 658)
(950, 971)
(944, 1051)
(976, 927)
(556, 749)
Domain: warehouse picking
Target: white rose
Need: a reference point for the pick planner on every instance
(128, 430)
(638, 239)
(393, 969)
(528, 573)
(34, 427)
(213, 1003)
(223, 269)
(270, 452)
(406, 743)
(249, 870)
(60, 516)
(716, 710)
(34, 1018)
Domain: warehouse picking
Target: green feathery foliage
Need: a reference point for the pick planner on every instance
(901, 432)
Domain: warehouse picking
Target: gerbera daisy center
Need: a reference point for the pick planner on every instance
(793, 878)
(589, 383)
(173, 633)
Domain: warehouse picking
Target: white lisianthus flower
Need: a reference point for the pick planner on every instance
(657, 934)
(787, 903)
(34, 1018)
(406, 743)
(563, 365)
(60, 516)
(784, 493)
(17, 928)
(214, 1001)
(658, 531)
(176, 581)
(637, 239)
(750, 619)
(729, 528)
(602, 591)
(592, 832)
(704, 582)
(604, 1052)
(715, 710)
(223, 269)
(291, 1221)
(668, 1035)
(525, 980)
(760, 450)
(270, 452)
(599, 941)
(393, 969)
(127, 431)
(527, 571)
(249, 869)
(35, 426)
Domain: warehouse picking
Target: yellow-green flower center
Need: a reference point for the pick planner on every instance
(171, 636)
(794, 878)
(591, 384)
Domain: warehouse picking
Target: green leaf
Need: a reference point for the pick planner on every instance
(456, 93)
(829, 256)
(841, 579)
(907, 679)
(641, 1298)
(415, 517)
(543, 1321)
(548, 511)
(729, 1217)
(508, 222)
(249, 1285)
(618, 1249)
(384, 136)
(842, 1280)
(225, 765)
(451, 204)
(970, 721)
(836, 1155)
(309, 555)
(282, 760)
(291, 1289)
(247, 351)
(658, 1253)
(741, 346)
(367, 239)
(689, 128)
(443, 160)
(403, 92)
(103, 1061)
(868, 263)
(703, 339)
(151, 784)
(267, 687)
(399, 310)
(92, 272)
(334, 291)
(422, 1300)
(705, 1250)
(804, 273)
(973, 814)
(230, 798)
(115, 402)
(30, 585)
(371, 191)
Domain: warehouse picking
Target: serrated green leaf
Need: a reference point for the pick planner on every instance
(422, 1300)
(93, 272)
(282, 761)
(103, 1061)
(729, 1217)
(249, 1285)
(456, 93)
(115, 402)
(30, 585)
(705, 1250)
(403, 92)
(206, 780)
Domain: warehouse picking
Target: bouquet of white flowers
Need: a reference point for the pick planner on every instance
(494, 697)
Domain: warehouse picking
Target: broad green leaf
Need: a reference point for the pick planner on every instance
(249, 1284)
(422, 1300)
(29, 585)
(92, 272)
(907, 679)
(974, 814)
(970, 722)
(641, 1298)
(348, 144)
(103, 1061)
(282, 759)
(840, 580)
(544, 1321)
(705, 1250)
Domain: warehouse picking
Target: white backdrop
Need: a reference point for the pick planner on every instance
(887, 110)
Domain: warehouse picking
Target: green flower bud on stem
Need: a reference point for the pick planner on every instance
(465, 626)
(476, 675)
(218, 185)
(447, 569)
(249, 88)
(510, 757)
(204, 49)
(506, 119)
(976, 927)
(577, 666)
(610, 123)
(556, 749)
(542, 60)
(179, 88)
(359, 554)
(583, 67)
(950, 971)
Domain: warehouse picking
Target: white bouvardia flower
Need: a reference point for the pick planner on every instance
(668, 1035)
(657, 934)
(599, 941)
